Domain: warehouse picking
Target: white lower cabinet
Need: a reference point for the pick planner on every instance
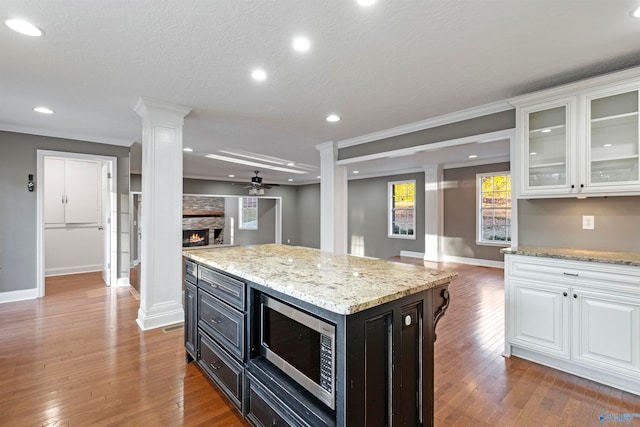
(606, 331)
(541, 317)
(580, 317)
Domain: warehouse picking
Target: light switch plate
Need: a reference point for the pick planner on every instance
(588, 222)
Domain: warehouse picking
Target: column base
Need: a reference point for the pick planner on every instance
(160, 315)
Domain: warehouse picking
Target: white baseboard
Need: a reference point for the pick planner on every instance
(22, 295)
(123, 281)
(473, 261)
(410, 254)
(60, 271)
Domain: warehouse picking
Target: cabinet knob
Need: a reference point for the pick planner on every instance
(573, 186)
(581, 185)
(564, 294)
(575, 295)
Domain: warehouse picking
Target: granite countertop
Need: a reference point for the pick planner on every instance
(342, 284)
(620, 258)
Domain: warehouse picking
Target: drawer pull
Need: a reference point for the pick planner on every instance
(215, 321)
(571, 274)
(215, 366)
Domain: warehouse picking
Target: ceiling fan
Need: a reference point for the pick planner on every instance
(256, 186)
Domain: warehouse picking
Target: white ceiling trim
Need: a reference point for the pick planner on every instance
(477, 162)
(482, 138)
(66, 135)
(469, 113)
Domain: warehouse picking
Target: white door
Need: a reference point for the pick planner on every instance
(53, 191)
(606, 331)
(106, 222)
(541, 317)
(82, 191)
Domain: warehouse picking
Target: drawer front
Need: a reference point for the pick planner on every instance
(222, 369)
(224, 287)
(191, 271)
(263, 411)
(222, 322)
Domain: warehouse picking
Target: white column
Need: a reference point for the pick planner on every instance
(333, 200)
(433, 213)
(161, 256)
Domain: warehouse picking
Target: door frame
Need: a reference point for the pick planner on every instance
(40, 239)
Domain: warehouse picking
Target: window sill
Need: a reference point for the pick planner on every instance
(497, 244)
(395, 236)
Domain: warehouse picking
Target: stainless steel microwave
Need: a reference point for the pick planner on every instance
(301, 345)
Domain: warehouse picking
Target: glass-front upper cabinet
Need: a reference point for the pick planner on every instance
(547, 147)
(612, 140)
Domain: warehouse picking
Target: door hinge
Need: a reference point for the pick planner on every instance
(108, 220)
(109, 266)
(109, 175)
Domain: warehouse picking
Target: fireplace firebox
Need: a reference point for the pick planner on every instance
(195, 238)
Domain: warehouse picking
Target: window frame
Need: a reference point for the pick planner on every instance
(390, 210)
(242, 225)
(479, 209)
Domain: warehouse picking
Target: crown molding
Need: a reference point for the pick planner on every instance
(630, 76)
(470, 113)
(66, 135)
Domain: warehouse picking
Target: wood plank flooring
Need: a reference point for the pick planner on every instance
(77, 358)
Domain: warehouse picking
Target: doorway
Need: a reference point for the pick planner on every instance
(102, 223)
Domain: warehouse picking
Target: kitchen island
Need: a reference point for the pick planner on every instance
(378, 367)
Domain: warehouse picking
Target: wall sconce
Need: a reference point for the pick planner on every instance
(30, 184)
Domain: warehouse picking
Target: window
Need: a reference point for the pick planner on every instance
(402, 209)
(248, 213)
(494, 208)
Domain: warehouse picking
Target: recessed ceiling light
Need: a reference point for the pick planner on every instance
(607, 145)
(319, 177)
(24, 27)
(546, 130)
(301, 44)
(258, 74)
(356, 172)
(473, 156)
(290, 179)
(636, 12)
(43, 110)
(533, 153)
(291, 164)
(333, 118)
(187, 149)
(366, 2)
(232, 176)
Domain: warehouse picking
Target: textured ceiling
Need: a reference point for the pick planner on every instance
(380, 67)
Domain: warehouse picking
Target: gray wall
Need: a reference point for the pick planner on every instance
(459, 234)
(470, 127)
(266, 232)
(367, 210)
(18, 158)
(558, 223)
(308, 211)
(288, 193)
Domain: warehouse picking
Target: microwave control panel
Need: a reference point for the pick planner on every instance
(326, 363)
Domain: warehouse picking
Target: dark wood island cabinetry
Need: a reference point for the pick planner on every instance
(375, 367)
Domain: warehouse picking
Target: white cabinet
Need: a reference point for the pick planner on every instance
(72, 191)
(579, 143)
(606, 330)
(541, 316)
(580, 317)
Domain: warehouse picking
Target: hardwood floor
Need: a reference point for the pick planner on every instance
(77, 358)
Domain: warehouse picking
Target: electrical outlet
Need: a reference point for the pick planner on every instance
(588, 222)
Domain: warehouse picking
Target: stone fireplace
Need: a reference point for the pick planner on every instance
(203, 213)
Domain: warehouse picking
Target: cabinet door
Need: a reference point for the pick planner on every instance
(547, 148)
(606, 331)
(541, 317)
(190, 319)
(82, 189)
(53, 191)
(612, 143)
